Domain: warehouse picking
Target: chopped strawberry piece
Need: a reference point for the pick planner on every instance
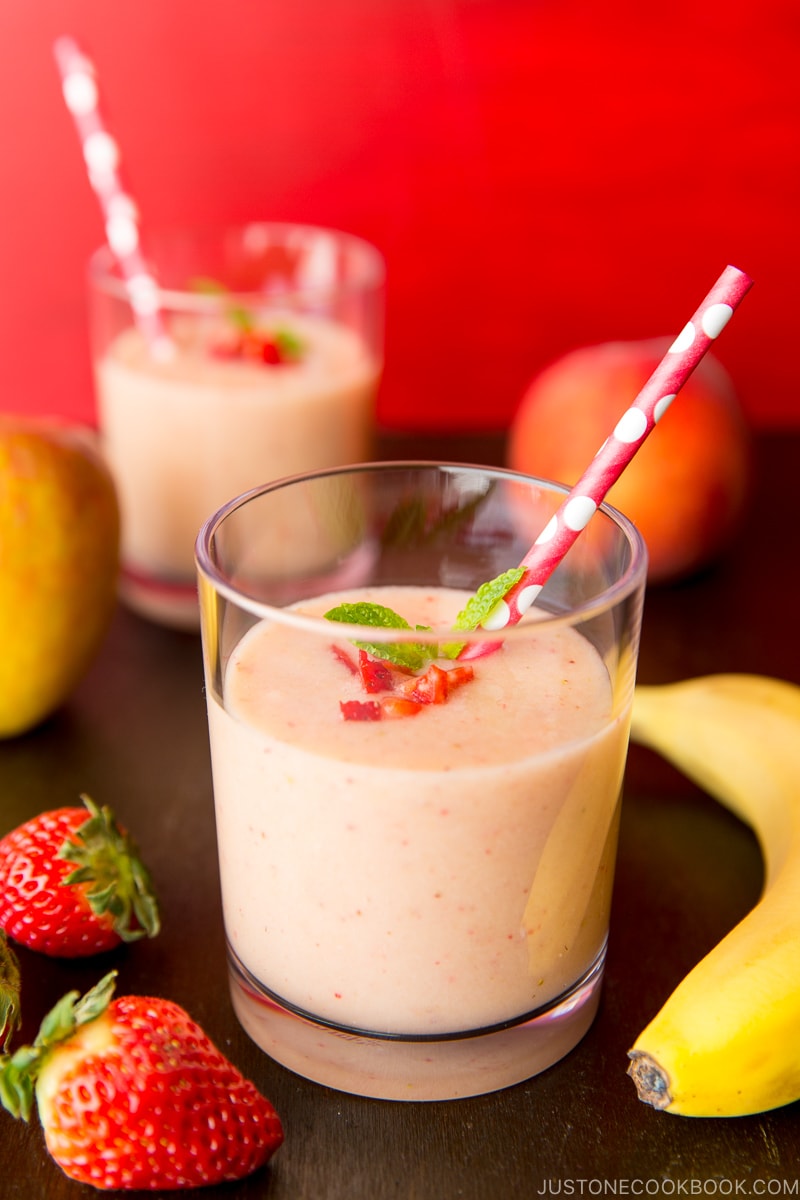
(345, 658)
(430, 688)
(407, 692)
(457, 676)
(256, 347)
(399, 706)
(376, 675)
(250, 345)
(360, 710)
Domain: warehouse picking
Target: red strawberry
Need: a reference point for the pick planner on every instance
(399, 706)
(133, 1094)
(360, 710)
(48, 906)
(408, 693)
(376, 675)
(456, 676)
(9, 992)
(430, 688)
(273, 349)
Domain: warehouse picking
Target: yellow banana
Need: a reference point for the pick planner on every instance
(727, 1041)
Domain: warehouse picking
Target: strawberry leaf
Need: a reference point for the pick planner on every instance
(9, 992)
(107, 860)
(18, 1073)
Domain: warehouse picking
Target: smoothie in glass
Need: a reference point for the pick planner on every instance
(423, 836)
(416, 902)
(272, 380)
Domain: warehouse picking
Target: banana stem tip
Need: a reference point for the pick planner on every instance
(652, 1083)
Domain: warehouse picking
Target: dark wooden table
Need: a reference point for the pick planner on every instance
(134, 736)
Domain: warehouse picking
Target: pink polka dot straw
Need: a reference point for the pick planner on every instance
(581, 503)
(120, 214)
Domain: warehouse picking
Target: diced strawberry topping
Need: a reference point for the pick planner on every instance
(457, 676)
(255, 347)
(408, 693)
(399, 706)
(430, 688)
(360, 710)
(435, 686)
(376, 675)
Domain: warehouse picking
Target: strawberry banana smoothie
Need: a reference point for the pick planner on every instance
(220, 416)
(444, 869)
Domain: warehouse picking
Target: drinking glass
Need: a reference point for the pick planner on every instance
(275, 340)
(416, 853)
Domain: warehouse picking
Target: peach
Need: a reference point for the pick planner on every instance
(687, 486)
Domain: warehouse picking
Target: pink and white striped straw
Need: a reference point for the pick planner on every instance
(581, 503)
(120, 214)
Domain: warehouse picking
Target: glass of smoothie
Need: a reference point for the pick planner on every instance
(417, 823)
(271, 366)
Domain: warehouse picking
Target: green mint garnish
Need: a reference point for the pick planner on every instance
(206, 286)
(290, 345)
(479, 606)
(239, 316)
(415, 655)
(403, 654)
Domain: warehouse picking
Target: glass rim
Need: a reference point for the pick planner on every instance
(633, 577)
(103, 270)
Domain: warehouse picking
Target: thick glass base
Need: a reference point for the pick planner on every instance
(172, 604)
(391, 1067)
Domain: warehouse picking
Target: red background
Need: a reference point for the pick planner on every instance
(539, 174)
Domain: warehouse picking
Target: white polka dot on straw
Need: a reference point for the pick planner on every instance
(102, 158)
(631, 430)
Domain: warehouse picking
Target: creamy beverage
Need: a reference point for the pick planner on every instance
(456, 865)
(184, 435)
(267, 365)
(417, 809)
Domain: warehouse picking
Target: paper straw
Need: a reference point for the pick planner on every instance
(633, 427)
(120, 214)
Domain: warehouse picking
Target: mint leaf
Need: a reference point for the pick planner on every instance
(365, 613)
(241, 318)
(238, 316)
(207, 286)
(9, 993)
(291, 347)
(403, 654)
(480, 605)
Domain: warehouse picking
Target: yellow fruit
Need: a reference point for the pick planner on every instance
(727, 1041)
(59, 556)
